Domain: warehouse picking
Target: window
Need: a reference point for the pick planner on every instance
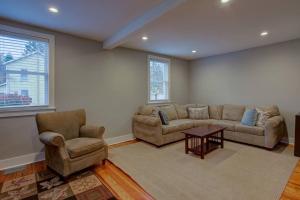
(24, 93)
(159, 79)
(24, 76)
(2, 74)
(24, 68)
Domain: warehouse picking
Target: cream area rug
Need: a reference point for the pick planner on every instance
(237, 172)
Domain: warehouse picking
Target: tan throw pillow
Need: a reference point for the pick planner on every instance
(198, 113)
(170, 111)
(181, 111)
(272, 110)
(262, 117)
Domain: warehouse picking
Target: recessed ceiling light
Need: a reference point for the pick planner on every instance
(225, 1)
(145, 38)
(53, 9)
(194, 51)
(264, 33)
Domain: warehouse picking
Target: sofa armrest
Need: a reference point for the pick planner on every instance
(147, 120)
(273, 131)
(274, 122)
(52, 138)
(92, 131)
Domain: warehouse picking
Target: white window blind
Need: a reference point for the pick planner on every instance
(24, 66)
(159, 84)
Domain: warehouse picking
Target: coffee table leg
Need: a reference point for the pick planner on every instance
(186, 144)
(222, 139)
(202, 148)
(207, 144)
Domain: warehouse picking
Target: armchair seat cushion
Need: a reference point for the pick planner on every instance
(80, 146)
(177, 125)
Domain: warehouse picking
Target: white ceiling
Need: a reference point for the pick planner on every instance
(207, 26)
(94, 19)
(212, 28)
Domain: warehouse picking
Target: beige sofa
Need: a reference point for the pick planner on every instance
(147, 125)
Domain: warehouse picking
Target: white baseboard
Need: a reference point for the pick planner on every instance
(288, 141)
(21, 160)
(39, 156)
(119, 139)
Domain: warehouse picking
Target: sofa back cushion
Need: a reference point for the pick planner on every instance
(182, 112)
(191, 105)
(233, 112)
(198, 113)
(215, 111)
(170, 111)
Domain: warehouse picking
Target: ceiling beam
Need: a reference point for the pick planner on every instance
(122, 35)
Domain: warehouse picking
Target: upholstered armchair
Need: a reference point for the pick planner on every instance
(70, 144)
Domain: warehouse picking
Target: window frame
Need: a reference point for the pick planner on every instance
(163, 59)
(31, 110)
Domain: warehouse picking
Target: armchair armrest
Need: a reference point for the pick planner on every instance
(92, 131)
(273, 131)
(147, 120)
(52, 138)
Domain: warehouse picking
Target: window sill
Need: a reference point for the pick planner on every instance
(24, 111)
(159, 102)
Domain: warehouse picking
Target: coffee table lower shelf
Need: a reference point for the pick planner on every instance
(206, 148)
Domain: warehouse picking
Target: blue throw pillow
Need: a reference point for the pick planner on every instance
(249, 117)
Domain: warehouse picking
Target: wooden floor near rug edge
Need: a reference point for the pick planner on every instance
(292, 188)
(124, 187)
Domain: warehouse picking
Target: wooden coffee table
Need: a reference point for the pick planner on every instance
(204, 139)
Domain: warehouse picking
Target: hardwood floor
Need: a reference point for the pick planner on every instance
(124, 187)
(29, 169)
(292, 189)
(120, 183)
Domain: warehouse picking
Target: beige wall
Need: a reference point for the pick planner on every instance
(264, 76)
(110, 85)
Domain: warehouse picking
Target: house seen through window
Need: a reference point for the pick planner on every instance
(159, 84)
(24, 67)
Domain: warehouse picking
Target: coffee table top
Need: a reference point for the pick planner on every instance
(203, 131)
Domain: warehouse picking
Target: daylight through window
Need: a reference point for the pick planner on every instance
(159, 84)
(24, 64)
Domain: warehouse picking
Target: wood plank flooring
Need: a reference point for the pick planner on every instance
(292, 189)
(124, 187)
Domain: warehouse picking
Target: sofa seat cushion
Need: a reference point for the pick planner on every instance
(80, 146)
(177, 125)
(229, 125)
(202, 122)
(254, 130)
